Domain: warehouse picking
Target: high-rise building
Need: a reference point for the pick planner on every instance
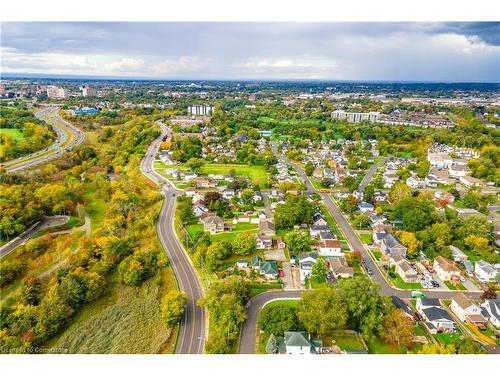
(355, 116)
(88, 90)
(200, 110)
(55, 92)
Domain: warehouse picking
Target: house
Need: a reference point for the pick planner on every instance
(298, 343)
(318, 173)
(340, 268)
(365, 207)
(264, 242)
(440, 160)
(326, 236)
(404, 269)
(306, 263)
(445, 268)
(228, 194)
(415, 183)
(269, 269)
(431, 181)
(435, 315)
(330, 248)
(318, 219)
(491, 311)
(213, 224)
(380, 196)
(315, 230)
(267, 227)
(469, 181)
(466, 310)
(459, 170)
(391, 246)
(256, 262)
(377, 220)
(485, 271)
(457, 254)
(241, 264)
(199, 209)
(279, 243)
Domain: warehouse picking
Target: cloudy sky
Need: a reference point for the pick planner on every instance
(464, 52)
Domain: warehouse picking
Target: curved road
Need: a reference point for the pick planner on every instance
(193, 326)
(249, 330)
(62, 128)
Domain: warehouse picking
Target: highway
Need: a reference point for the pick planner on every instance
(249, 329)
(47, 222)
(193, 328)
(62, 144)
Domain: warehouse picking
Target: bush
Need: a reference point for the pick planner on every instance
(277, 319)
(11, 271)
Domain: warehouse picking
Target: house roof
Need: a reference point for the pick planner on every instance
(330, 244)
(391, 242)
(491, 307)
(266, 225)
(462, 301)
(400, 304)
(312, 254)
(445, 264)
(327, 236)
(426, 302)
(269, 267)
(296, 339)
(436, 313)
(486, 267)
(213, 219)
(256, 261)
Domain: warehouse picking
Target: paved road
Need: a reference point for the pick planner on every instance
(369, 175)
(47, 222)
(193, 327)
(254, 306)
(267, 204)
(50, 115)
(248, 334)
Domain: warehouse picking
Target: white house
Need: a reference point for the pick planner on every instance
(457, 254)
(306, 263)
(445, 269)
(465, 309)
(435, 315)
(491, 311)
(299, 343)
(485, 271)
(330, 248)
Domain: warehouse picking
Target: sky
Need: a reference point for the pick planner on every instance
(445, 52)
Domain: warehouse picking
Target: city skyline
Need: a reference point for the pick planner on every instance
(411, 52)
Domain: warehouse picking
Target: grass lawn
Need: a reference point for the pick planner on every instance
(261, 288)
(455, 286)
(314, 283)
(256, 173)
(193, 229)
(366, 238)
(331, 221)
(178, 184)
(237, 229)
(378, 346)
(376, 254)
(400, 283)
(345, 341)
(448, 338)
(95, 207)
(16, 134)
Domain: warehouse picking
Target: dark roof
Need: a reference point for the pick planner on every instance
(400, 304)
(430, 302)
(436, 313)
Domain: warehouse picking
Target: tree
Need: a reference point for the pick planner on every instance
(361, 221)
(297, 241)
(412, 244)
(276, 319)
(215, 253)
(272, 345)
(321, 311)
(489, 293)
(30, 291)
(309, 168)
(172, 307)
(399, 329)
(319, 269)
(365, 306)
(296, 210)
(469, 346)
(369, 194)
(195, 164)
(437, 349)
(244, 243)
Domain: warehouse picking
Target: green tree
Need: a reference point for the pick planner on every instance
(272, 345)
(309, 168)
(276, 319)
(244, 243)
(399, 329)
(321, 311)
(172, 307)
(319, 269)
(297, 241)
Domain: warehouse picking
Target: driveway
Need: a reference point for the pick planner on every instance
(287, 278)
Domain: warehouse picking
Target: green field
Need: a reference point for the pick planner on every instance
(95, 207)
(16, 134)
(378, 346)
(256, 173)
(455, 287)
(366, 238)
(448, 338)
(346, 341)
